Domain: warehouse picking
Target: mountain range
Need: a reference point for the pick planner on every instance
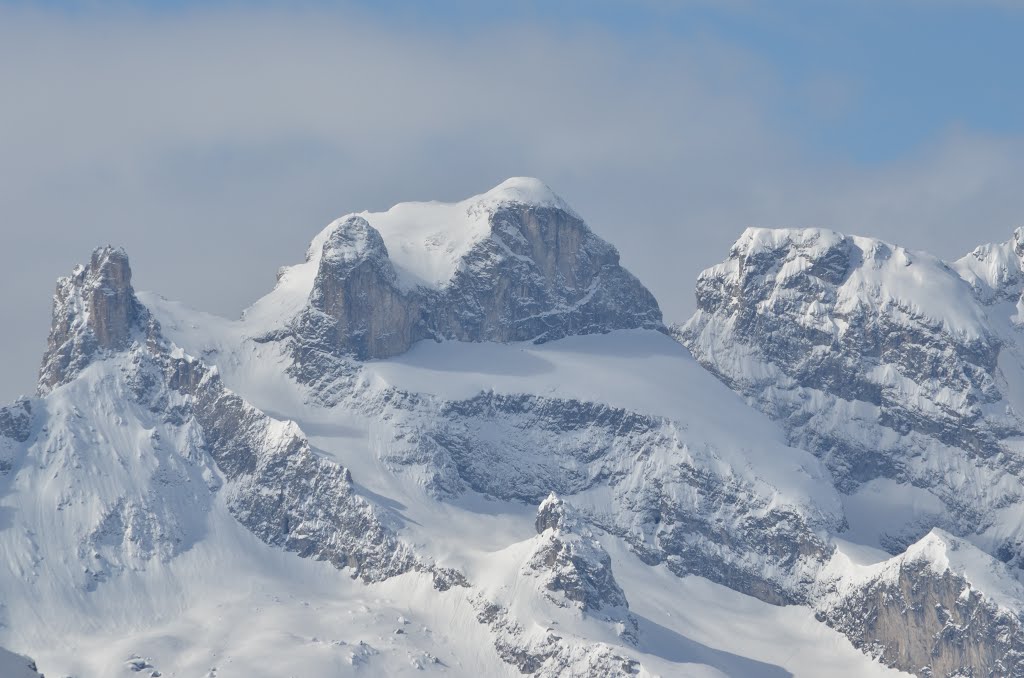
(461, 439)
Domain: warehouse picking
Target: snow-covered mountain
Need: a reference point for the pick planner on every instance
(459, 439)
(904, 375)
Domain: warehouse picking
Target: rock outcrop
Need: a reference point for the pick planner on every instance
(573, 569)
(275, 484)
(924, 611)
(879, 360)
(529, 272)
(901, 372)
(662, 489)
(95, 311)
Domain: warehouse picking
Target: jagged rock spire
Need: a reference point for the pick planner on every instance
(94, 311)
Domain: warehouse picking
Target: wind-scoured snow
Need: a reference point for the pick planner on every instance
(940, 552)
(17, 666)
(995, 270)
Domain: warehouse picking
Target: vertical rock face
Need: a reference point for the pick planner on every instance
(921, 611)
(110, 298)
(94, 311)
(521, 271)
(276, 485)
(541, 275)
(356, 306)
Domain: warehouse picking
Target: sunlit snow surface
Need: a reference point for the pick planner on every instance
(228, 605)
(689, 626)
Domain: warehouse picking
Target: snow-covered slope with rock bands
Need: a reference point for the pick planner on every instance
(903, 374)
(458, 439)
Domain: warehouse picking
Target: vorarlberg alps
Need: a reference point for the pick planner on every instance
(460, 439)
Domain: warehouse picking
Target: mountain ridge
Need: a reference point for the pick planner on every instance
(322, 434)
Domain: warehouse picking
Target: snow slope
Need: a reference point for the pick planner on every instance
(208, 598)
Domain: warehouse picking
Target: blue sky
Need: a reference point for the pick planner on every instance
(213, 140)
(888, 76)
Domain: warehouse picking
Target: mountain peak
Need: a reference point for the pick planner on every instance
(995, 271)
(512, 264)
(94, 310)
(523, 190)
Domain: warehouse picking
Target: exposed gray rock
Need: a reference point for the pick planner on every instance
(888, 365)
(784, 301)
(681, 512)
(920, 613)
(16, 420)
(355, 306)
(848, 343)
(550, 655)
(575, 570)
(277, 486)
(15, 427)
(575, 564)
(572, 570)
(94, 311)
(540, 275)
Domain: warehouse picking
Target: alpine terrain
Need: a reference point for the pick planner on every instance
(459, 439)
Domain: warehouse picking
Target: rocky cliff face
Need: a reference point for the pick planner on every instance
(648, 480)
(900, 371)
(879, 360)
(531, 271)
(923, 611)
(574, 569)
(355, 306)
(94, 311)
(275, 484)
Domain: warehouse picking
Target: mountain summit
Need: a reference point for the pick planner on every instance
(94, 311)
(513, 264)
